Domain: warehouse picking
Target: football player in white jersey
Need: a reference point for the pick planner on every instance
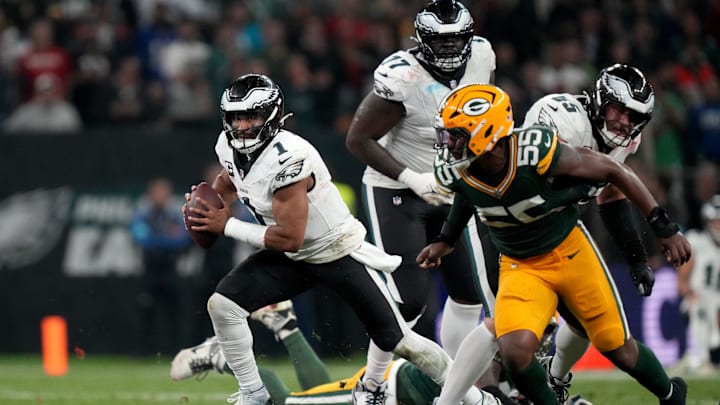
(405, 383)
(699, 285)
(392, 132)
(305, 233)
(607, 120)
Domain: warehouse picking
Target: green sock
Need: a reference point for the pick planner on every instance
(649, 372)
(532, 382)
(277, 389)
(309, 369)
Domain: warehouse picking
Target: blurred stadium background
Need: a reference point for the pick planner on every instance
(99, 97)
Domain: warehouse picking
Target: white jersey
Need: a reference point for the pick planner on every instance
(705, 276)
(567, 115)
(401, 78)
(331, 231)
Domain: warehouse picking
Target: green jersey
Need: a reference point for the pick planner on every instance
(526, 216)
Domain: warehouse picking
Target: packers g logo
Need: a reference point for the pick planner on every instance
(476, 106)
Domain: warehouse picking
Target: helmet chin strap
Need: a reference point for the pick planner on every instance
(242, 147)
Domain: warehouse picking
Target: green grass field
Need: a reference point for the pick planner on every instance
(127, 381)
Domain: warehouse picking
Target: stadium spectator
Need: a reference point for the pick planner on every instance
(43, 56)
(157, 227)
(47, 112)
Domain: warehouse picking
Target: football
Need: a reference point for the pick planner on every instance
(207, 193)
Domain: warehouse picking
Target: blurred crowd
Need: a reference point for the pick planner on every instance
(69, 65)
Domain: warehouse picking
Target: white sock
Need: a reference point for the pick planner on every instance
(474, 358)
(569, 348)
(233, 332)
(458, 321)
(475, 396)
(377, 362)
(425, 354)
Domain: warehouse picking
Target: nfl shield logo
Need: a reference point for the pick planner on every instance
(397, 200)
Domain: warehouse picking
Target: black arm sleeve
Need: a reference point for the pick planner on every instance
(460, 213)
(620, 222)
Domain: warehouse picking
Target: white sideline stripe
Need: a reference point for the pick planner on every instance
(173, 396)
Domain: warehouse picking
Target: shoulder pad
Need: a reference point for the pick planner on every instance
(288, 161)
(536, 146)
(395, 75)
(564, 113)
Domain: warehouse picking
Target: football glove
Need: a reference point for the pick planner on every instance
(426, 187)
(643, 278)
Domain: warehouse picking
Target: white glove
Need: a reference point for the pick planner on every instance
(426, 187)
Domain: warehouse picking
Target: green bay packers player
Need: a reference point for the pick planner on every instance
(406, 384)
(547, 255)
(608, 119)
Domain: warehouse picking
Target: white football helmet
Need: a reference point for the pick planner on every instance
(444, 30)
(626, 86)
(252, 96)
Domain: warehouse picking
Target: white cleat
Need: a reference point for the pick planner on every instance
(277, 317)
(197, 360)
(362, 395)
(259, 397)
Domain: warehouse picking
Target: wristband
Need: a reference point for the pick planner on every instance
(660, 223)
(252, 234)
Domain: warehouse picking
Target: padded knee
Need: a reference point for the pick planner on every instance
(608, 339)
(224, 310)
(425, 355)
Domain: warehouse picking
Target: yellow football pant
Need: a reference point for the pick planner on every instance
(575, 272)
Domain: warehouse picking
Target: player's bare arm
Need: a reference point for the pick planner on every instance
(589, 165)
(290, 209)
(373, 119)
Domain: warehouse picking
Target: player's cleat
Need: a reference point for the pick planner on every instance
(197, 360)
(679, 392)
(578, 400)
(277, 317)
(548, 339)
(559, 386)
(362, 395)
(259, 397)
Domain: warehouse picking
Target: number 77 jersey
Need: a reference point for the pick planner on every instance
(525, 214)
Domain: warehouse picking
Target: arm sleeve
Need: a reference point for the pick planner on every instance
(460, 213)
(619, 219)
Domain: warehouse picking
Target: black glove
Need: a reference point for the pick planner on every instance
(643, 278)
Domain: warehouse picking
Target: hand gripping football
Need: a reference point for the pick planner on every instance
(203, 238)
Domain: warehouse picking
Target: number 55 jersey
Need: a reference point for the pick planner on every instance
(525, 213)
